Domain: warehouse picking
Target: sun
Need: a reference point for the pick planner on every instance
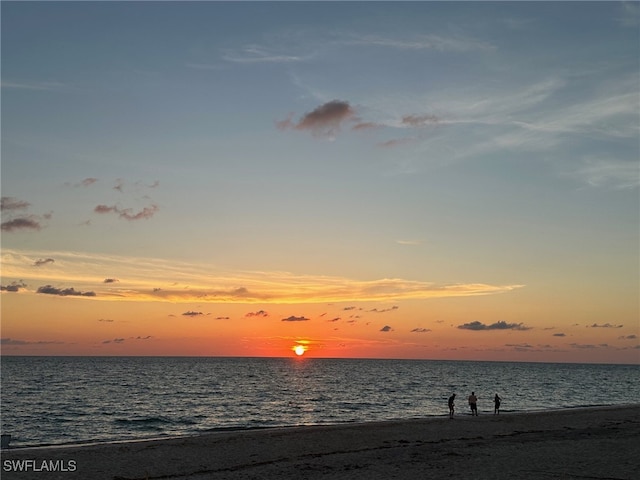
(299, 350)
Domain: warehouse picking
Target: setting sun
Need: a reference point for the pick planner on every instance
(299, 350)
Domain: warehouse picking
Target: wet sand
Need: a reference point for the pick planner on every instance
(591, 443)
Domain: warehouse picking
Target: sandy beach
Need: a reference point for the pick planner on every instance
(589, 443)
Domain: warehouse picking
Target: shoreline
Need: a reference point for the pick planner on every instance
(597, 442)
(222, 430)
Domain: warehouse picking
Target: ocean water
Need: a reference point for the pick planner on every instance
(58, 400)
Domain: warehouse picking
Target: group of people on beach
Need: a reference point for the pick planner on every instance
(473, 404)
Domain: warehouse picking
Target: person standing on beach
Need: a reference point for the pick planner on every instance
(473, 403)
(451, 405)
(496, 402)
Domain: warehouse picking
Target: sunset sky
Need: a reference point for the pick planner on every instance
(417, 180)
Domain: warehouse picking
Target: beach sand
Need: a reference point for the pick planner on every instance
(602, 443)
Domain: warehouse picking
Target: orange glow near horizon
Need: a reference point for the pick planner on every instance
(451, 328)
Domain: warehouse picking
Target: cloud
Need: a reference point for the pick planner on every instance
(366, 126)
(185, 282)
(145, 213)
(420, 330)
(588, 346)
(11, 341)
(396, 142)
(106, 320)
(10, 203)
(257, 54)
(64, 292)
(519, 346)
(191, 313)
(83, 183)
(604, 325)
(43, 261)
(295, 319)
(105, 209)
(606, 171)
(628, 337)
(409, 242)
(13, 286)
(501, 325)
(384, 310)
(386, 328)
(128, 213)
(115, 340)
(110, 280)
(419, 120)
(23, 223)
(629, 14)
(559, 335)
(259, 313)
(222, 318)
(88, 181)
(33, 86)
(421, 42)
(324, 121)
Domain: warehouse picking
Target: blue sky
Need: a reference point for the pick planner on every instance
(443, 144)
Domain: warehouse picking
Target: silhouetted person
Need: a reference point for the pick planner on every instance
(496, 402)
(451, 405)
(473, 403)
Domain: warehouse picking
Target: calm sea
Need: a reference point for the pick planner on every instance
(55, 400)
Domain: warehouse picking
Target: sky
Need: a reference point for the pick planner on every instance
(417, 180)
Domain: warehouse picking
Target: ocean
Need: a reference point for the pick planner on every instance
(60, 400)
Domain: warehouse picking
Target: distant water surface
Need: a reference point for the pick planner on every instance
(55, 400)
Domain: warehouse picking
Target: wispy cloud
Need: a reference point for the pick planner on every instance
(588, 346)
(435, 42)
(604, 325)
(396, 142)
(409, 242)
(33, 85)
(187, 282)
(419, 120)
(83, 183)
(258, 54)
(12, 341)
(43, 261)
(383, 310)
(607, 171)
(128, 213)
(629, 14)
